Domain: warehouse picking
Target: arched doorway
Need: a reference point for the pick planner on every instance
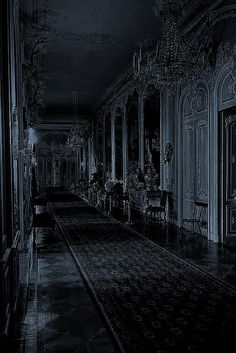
(194, 151)
(108, 143)
(99, 142)
(226, 114)
(57, 164)
(132, 133)
(152, 128)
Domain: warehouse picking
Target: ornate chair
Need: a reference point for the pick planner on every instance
(158, 213)
(194, 224)
(42, 220)
(40, 201)
(115, 195)
(37, 199)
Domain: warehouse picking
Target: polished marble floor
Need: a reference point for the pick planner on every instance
(60, 315)
(217, 260)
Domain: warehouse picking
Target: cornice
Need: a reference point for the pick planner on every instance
(125, 83)
(116, 84)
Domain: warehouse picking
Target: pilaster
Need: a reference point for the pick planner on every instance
(125, 146)
(141, 130)
(113, 146)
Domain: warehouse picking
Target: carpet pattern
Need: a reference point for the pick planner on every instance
(152, 300)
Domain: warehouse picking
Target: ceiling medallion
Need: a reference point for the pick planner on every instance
(171, 62)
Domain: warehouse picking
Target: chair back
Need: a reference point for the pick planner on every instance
(163, 199)
(199, 208)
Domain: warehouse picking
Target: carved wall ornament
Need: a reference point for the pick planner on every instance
(196, 101)
(149, 91)
(149, 73)
(135, 178)
(151, 179)
(224, 58)
(168, 153)
(170, 185)
(205, 70)
(35, 44)
(228, 90)
(228, 121)
(155, 141)
(15, 132)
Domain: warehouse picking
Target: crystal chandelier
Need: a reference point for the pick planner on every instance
(171, 62)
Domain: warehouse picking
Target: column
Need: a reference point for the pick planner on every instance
(84, 161)
(163, 108)
(77, 167)
(21, 180)
(90, 158)
(124, 146)
(104, 144)
(141, 131)
(113, 146)
(167, 136)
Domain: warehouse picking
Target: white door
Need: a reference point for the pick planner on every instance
(228, 176)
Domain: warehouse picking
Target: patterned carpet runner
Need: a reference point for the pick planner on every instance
(152, 300)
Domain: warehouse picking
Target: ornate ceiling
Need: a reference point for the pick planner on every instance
(92, 44)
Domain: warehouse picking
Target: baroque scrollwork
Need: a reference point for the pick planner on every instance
(168, 152)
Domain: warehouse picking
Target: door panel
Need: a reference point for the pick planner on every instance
(202, 161)
(195, 164)
(232, 158)
(229, 174)
(195, 150)
(188, 170)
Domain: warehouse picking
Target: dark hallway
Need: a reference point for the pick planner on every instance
(95, 287)
(117, 176)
